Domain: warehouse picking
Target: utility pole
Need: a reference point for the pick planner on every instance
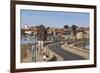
(35, 50)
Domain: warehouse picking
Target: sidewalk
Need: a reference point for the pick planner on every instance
(75, 50)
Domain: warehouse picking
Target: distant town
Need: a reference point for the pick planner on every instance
(41, 43)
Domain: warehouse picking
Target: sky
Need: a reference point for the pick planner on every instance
(54, 18)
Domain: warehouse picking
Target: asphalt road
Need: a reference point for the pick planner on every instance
(66, 55)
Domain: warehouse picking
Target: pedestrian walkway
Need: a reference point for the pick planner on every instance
(77, 51)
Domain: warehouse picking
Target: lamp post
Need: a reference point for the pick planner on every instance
(83, 38)
(34, 49)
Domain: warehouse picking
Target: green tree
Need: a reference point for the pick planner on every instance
(48, 28)
(23, 32)
(84, 40)
(42, 32)
(66, 26)
(74, 31)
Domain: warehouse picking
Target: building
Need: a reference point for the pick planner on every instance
(79, 35)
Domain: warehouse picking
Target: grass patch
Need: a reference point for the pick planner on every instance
(23, 51)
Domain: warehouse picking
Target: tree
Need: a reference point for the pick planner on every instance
(74, 30)
(83, 33)
(66, 26)
(42, 27)
(48, 28)
(23, 32)
(42, 33)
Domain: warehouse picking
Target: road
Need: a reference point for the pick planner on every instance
(66, 55)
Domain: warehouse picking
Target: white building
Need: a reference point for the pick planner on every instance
(28, 32)
(79, 35)
(26, 26)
